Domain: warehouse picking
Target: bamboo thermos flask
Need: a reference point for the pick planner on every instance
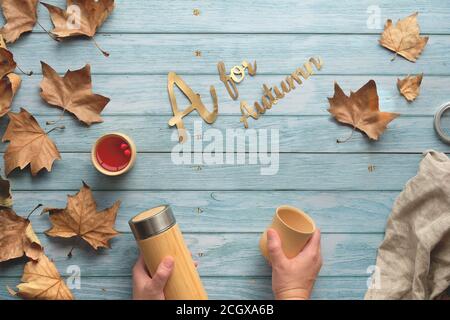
(158, 236)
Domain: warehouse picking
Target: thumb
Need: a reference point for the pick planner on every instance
(276, 254)
(162, 274)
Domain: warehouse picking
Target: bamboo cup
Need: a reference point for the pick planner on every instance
(294, 227)
(130, 164)
(159, 236)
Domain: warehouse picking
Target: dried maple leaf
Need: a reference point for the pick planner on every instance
(14, 78)
(42, 281)
(17, 237)
(73, 93)
(409, 87)
(404, 39)
(6, 96)
(10, 83)
(80, 218)
(29, 144)
(5, 193)
(7, 63)
(15, 82)
(92, 14)
(361, 110)
(84, 21)
(20, 15)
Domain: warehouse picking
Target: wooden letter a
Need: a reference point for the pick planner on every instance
(196, 104)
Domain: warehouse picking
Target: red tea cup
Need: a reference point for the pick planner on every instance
(113, 154)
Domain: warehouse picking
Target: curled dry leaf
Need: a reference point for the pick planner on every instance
(15, 82)
(404, 38)
(73, 93)
(20, 15)
(10, 83)
(5, 193)
(409, 87)
(69, 23)
(13, 78)
(80, 218)
(17, 237)
(361, 110)
(29, 144)
(7, 63)
(6, 96)
(42, 281)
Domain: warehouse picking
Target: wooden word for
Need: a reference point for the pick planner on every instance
(196, 104)
(237, 74)
(273, 94)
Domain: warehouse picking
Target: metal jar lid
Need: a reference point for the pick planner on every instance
(437, 122)
(152, 222)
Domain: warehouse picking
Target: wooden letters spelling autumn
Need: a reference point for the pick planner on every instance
(273, 94)
(268, 99)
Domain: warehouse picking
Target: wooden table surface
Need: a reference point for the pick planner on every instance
(223, 209)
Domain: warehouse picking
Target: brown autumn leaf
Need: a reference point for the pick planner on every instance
(92, 14)
(10, 82)
(42, 281)
(6, 96)
(17, 237)
(361, 110)
(14, 78)
(7, 63)
(5, 193)
(15, 82)
(73, 93)
(20, 16)
(29, 144)
(404, 38)
(80, 218)
(409, 87)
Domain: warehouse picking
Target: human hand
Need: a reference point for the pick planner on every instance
(293, 279)
(151, 288)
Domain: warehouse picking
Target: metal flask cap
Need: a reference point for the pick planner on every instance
(152, 222)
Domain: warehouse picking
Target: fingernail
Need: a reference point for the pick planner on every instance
(168, 262)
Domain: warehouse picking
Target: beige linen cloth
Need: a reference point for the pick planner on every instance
(414, 259)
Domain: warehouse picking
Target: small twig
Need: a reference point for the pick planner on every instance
(56, 121)
(69, 255)
(26, 73)
(105, 53)
(48, 32)
(37, 207)
(395, 56)
(346, 139)
(56, 128)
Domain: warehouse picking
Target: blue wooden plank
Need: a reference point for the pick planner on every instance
(155, 171)
(231, 211)
(275, 54)
(218, 254)
(247, 16)
(147, 94)
(248, 288)
(296, 133)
